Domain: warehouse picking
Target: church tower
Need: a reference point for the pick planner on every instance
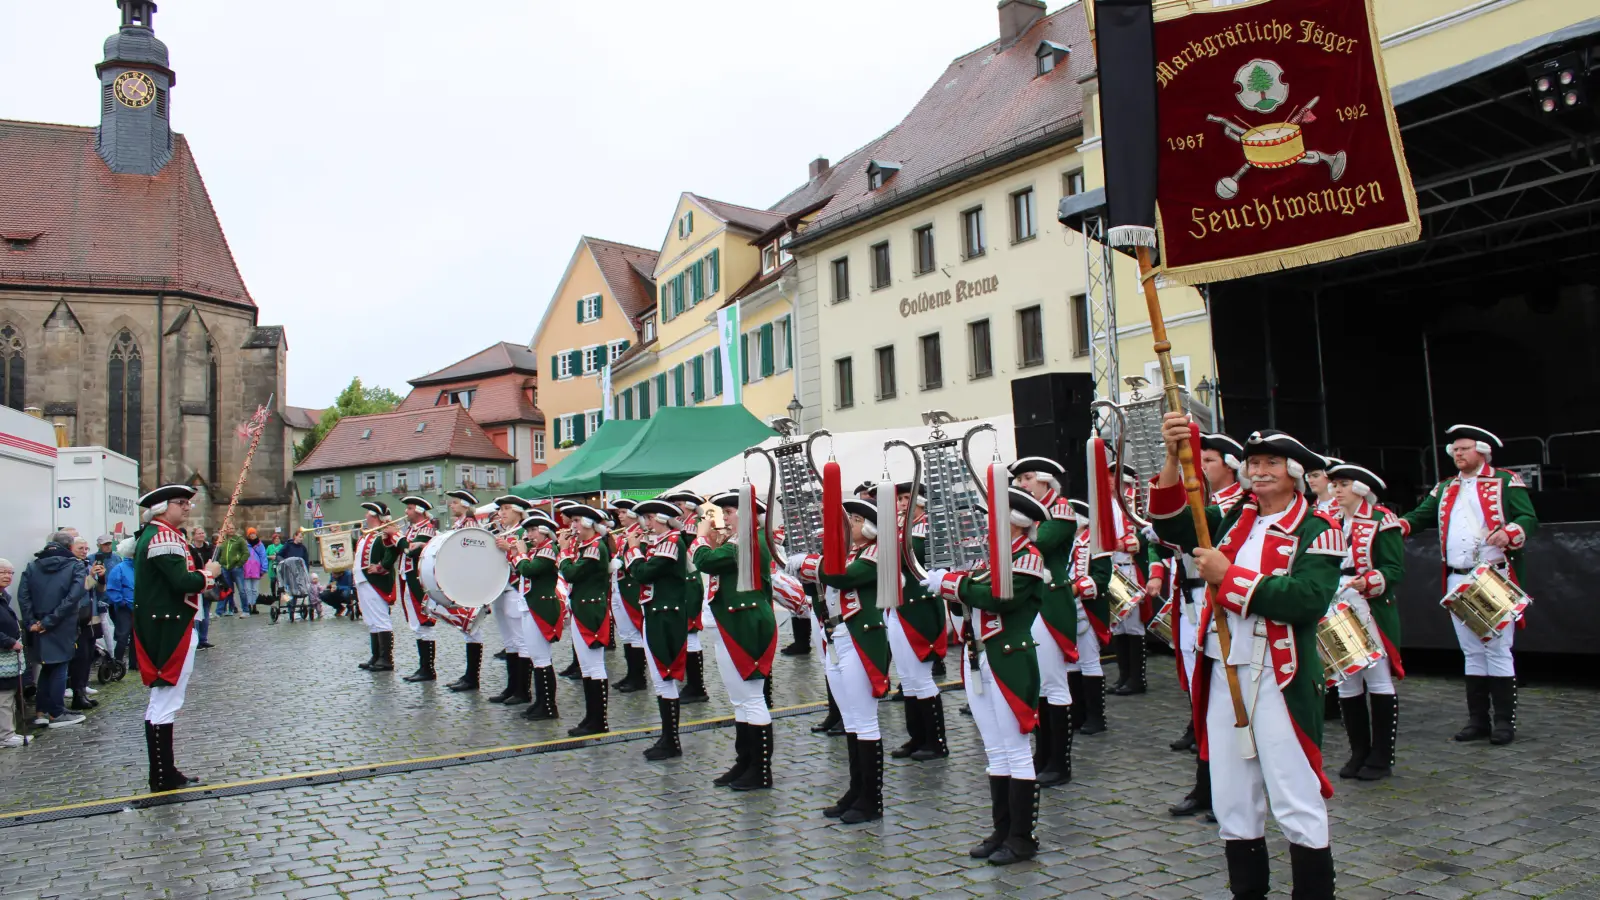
(135, 82)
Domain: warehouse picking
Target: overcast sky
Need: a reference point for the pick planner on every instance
(403, 182)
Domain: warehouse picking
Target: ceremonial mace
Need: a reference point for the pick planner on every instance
(254, 429)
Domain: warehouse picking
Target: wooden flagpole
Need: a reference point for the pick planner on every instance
(257, 426)
(1191, 486)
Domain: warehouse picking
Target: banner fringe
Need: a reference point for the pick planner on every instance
(1131, 236)
(1326, 251)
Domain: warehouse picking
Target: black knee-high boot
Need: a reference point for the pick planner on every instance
(800, 627)
(1358, 727)
(425, 671)
(1249, 873)
(1056, 733)
(758, 774)
(832, 720)
(667, 746)
(1132, 656)
(469, 680)
(933, 744)
(1119, 649)
(544, 701)
(1385, 728)
(1477, 709)
(741, 756)
(869, 804)
(848, 801)
(1080, 708)
(1094, 698)
(524, 682)
(999, 814)
(377, 652)
(915, 728)
(694, 689)
(1504, 692)
(634, 680)
(1199, 798)
(1020, 844)
(1312, 869)
(386, 648)
(572, 670)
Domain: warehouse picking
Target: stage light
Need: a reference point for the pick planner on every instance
(1558, 84)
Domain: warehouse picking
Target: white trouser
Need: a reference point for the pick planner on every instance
(1494, 658)
(408, 608)
(1132, 624)
(852, 689)
(509, 610)
(591, 660)
(166, 701)
(1052, 666)
(1280, 775)
(693, 646)
(666, 688)
(916, 676)
(540, 652)
(749, 698)
(626, 633)
(1374, 679)
(1189, 631)
(374, 609)
(1004, 742)
(1088, 648)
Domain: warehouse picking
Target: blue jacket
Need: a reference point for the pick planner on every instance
(119, 585)
(52, 592)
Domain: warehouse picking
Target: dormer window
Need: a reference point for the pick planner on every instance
(879, 172)
(457, 398)
(649, 330)
(421, 426)
(783, 249)
(366, 434)
(1050, 55)
(20, 240)
(769, 258)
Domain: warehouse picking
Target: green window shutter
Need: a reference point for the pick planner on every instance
(744, 358)
(581, 304)
(576, 358)
(697, 368)
(786, 352)
(661, 390)
(555, 432)
(716, 274)
(627, 404)
(599, 308)
(623, 349)
(577, 430)
(766, 350)
(691, 221)
(716, 371)
(678, 398)
(555, 366)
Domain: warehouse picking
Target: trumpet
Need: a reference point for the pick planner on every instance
(387, 523)
(331, 528)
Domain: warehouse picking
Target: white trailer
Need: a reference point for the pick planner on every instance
(97, 492)
(27, 485)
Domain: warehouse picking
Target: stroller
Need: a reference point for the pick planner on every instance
(108, 667)
(294, 590)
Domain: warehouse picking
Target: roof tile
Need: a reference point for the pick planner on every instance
(496, 399)
(628, 273)
(501, 357)
(449, 432)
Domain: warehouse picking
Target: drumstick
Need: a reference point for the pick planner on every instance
(1300, 114)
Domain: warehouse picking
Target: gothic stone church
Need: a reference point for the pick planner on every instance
(122, 313)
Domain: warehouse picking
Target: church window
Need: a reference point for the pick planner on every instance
(11, 367)
(125, 377)
(214, 406)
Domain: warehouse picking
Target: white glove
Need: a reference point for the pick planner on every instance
(793, 562)
(616, 564)
(935, 580)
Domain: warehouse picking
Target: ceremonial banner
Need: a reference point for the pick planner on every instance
(732, 355)
(605, 393)
(1276, 142)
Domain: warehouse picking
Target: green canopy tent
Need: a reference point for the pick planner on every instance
(644, 457)
(677, 444)
(579, 472)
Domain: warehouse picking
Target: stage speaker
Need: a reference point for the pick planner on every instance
(1051, 413)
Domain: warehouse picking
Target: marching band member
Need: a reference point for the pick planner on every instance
(1374, 568)
(1484, 516)
(1086, 680)
(1127, 634)
(512, 606)
(1320, 487)
(1003, 681)
(1055, 631)
(694, 690)
(919, 636)
(418, 530)
(564, 525)
(747, 633)
(860, 675)
(1274, 571)
(546, 616)
(374, 579)
(461, 504)
(167, 589)
(1221, 462)
(586, 566)
(657, 561)
(625, 608)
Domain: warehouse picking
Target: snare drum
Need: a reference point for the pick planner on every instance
(1161, 625)
(1125, 596)
(463, 568)
(1487, 604)
(1343, 644)
(1273, 146)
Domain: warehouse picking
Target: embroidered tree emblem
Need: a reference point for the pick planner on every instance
(1260, 81)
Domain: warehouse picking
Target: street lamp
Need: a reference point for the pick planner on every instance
(1203, 391)
(795, 409)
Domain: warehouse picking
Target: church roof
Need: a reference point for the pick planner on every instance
(446, 431)
(103, 231)
(501, 357)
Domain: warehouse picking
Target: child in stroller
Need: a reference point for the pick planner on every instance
(295, 583)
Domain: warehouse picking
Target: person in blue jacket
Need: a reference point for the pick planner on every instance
(119, 595)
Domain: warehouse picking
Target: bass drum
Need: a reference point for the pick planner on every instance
(463, 568)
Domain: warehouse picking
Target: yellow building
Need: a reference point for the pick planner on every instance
(938, 272)
(723, 328)
(597, 314)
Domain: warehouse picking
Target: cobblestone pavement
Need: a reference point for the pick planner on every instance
(1455, 821)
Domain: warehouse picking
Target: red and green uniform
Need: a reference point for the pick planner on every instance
(924, 618)
(745, 618)
(858, 608)
(627, 585)
(1300, 559)
(166, 596)
(660, 566)
(588, 576)
(1005, 626)
(1377, 562)
(377, 549)
(1054, 539)
(1505, 503)
(538, 571)
(1090, 580)
(408, 549)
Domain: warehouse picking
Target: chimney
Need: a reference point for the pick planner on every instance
(1017, 16)
(817, 167)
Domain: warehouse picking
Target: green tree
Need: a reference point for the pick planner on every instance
(355, 400)
(1260, 81)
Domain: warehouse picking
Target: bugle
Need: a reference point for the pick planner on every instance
(381, 526)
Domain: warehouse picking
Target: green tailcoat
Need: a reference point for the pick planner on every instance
(745, 618)
(1054, 540)
(1006, 627)
(858, 609)
(588, 576)
(538, 571)
(1505, 503)
(660, 565)
(166, 596)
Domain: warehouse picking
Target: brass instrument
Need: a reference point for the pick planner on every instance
(1343, 644)
(1488, 604)
(381, 526)
(1146, 458)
